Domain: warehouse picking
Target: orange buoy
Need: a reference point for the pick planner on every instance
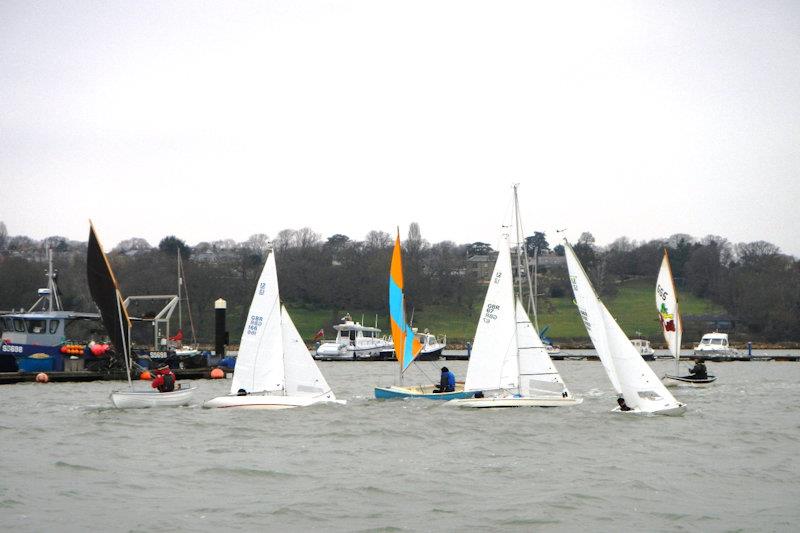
(41, 377)
(217, 373)
(145, 375)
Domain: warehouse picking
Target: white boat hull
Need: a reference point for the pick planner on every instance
(265, 401)
(145, 399)
(678, 410)
(531, 401)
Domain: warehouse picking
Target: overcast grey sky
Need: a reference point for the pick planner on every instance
(210, 120)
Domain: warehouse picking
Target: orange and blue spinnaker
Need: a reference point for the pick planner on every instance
(406, 344)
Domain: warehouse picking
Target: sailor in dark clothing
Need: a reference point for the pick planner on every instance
(164, 380)
(622, 405)
(447, 383)
(699, 371)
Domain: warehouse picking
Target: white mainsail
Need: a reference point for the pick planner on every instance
(537, 373)
(493, 362)
(667, 307)
(589, 307)
(303, 377)
(632, 376)
(260, 365)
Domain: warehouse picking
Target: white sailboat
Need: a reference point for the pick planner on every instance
(631, 377)
(105, 292)
(274, 369)
(671, 324)
(509, 364)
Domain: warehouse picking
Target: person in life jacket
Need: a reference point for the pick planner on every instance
(164, 380)
(447, 382)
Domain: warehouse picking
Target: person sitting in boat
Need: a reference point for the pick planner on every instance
(241, 392)
(622, 405)
(699, 371)
(164, 380)
(447, 383)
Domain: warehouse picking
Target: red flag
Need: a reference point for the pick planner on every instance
(178, 336)
(319, 334)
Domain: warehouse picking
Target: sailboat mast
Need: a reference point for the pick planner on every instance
(126, 349)
(180, 286)
(519, 248)
(517, 223)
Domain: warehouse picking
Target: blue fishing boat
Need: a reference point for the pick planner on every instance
(47, 338)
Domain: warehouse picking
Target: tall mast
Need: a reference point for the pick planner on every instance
(519, 249)
(180, 286)
(522, 250)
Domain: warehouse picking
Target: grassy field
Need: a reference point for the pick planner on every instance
(633, 307)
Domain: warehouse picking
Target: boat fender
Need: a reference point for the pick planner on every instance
(41, 377)
(217, 373)
(145, 375)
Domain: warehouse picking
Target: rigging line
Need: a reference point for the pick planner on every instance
(419, 367)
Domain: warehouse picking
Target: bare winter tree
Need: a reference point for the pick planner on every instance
(377, 240)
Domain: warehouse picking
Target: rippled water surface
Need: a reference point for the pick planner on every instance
(70, 462)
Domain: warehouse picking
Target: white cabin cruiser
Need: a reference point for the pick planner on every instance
(354, 341)
(432, 345)
(714, 344)
(644, 349)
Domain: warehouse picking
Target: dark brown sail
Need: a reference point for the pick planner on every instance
(105, 292)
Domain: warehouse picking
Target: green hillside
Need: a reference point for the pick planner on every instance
(633, 306)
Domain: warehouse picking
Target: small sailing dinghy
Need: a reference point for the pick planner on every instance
(406, 343)
(631, 377)
(672, 326)
(274, 369)
(509, 363)
(105, 292)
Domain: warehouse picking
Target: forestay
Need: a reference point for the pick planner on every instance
(493, 361)
(667, 307)
(260, 365)
(303, 377)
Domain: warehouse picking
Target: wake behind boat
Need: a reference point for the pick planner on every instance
(274, 369)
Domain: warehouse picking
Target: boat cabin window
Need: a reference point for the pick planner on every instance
(705, 341)
(53, 326)
(19, 325)
(352, 334)
(37, 326)
(5, 324)
(716, 341)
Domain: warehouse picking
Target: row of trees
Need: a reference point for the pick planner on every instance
(757, 284)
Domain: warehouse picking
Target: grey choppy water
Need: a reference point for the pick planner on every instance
(69, 462)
